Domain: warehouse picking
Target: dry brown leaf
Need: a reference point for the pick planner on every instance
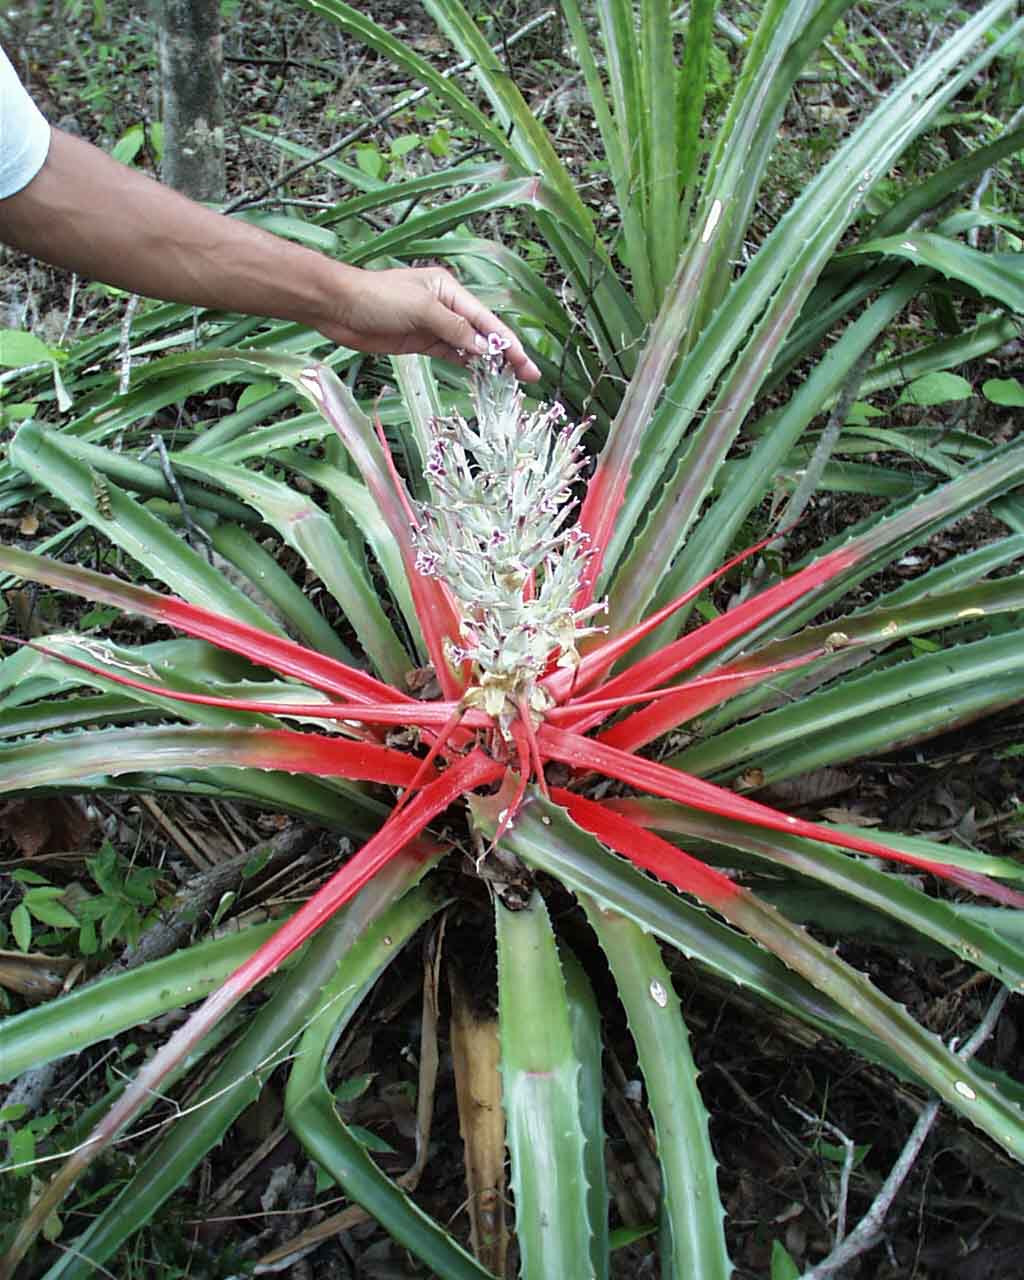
(476, 1054)
(850, 817)
(28, 612)
(39, 826)
(33, 975)
(811, 788)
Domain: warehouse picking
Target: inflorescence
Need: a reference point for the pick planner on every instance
(498, 534)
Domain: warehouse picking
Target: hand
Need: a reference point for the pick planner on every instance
(420, 310)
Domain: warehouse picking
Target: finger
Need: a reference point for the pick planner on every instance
(474, 322)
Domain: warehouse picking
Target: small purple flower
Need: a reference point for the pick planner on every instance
(435, 465)
(428, 563)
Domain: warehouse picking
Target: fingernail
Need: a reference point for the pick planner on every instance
(480, 343)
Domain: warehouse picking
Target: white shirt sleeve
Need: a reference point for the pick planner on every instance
(24, 133)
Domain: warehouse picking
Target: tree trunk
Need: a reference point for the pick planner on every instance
(191, 67)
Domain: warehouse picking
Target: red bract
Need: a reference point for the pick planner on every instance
(582, 699)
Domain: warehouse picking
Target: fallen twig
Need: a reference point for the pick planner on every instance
(868, 1231)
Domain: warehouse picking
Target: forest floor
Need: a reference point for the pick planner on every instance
(767, 1081)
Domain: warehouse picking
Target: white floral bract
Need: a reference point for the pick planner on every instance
(497, 534)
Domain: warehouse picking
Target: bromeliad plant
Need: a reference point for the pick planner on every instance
(500, 565)
(492, 580)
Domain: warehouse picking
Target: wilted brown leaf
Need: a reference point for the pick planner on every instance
(35, 976)
(850, 817)
(810, 788)
(39, 826)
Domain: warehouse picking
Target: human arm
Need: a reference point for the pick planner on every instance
(85, 211)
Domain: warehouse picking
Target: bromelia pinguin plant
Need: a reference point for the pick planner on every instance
(501, 565)
(495, 581)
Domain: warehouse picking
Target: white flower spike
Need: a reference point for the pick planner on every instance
(497, 533)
